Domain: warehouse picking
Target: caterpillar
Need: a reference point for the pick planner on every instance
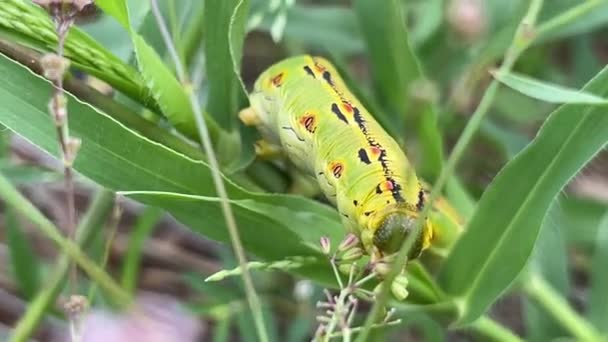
(303, 106)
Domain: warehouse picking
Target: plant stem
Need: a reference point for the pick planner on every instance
(13, 198)
(550, 26)
(95, 216)
(549, 299)
(493, 331)
(111, 228)
(252, 297)
(518, 45)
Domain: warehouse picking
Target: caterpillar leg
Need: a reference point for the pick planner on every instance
(267, 150)
(249, 117)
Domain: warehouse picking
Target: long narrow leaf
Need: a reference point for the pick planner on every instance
(502, 232)
(547, 92)
(598, 301)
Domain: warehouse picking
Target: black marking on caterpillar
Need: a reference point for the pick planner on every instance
(395, 187)
(378, 189)
(355, 202)
(308, 121)
(420, 203)
(277, 80)
(309, 71)
(337, 169)
(367, 213)
(327, 78)
(336, 110)
(364, 157)
(289, 128)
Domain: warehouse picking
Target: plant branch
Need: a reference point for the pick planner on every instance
(252, 297)
(94, 217)
(546, 296)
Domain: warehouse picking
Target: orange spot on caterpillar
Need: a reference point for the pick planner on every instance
(277, 80)
(388, 185)
(336, 169)
(375, 150)
(309, 122)
(347, 106)
(320, 68)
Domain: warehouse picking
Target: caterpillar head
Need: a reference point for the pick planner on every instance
(394, 228)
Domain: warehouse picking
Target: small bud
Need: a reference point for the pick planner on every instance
(321, 305)
(75, 305)
(325, 245)
(345, 268)
(389, 314)
(402, 280)
(399, 291)
(399, 287)
(71, 4)
(382, 268)
(58, 108)
(323, 319)
(349, 241)
(467, 18)
(352, 254)
(54, 66)
(73, 148)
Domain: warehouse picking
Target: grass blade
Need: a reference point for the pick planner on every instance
(547, 92)
(25, 263)
(598, 301)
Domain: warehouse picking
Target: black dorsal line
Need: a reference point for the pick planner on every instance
(336, 110)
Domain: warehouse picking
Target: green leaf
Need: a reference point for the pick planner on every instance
(168, 92)
(236, 37)
(549, 261)
(394, 65)
(117, 9)
(598, 301)
(143, 228)
(335, 28)
(118, 158)
(501, 234)
(24, 262)
(547, 92)
(220, 38)
(30, 25)
(260, 225)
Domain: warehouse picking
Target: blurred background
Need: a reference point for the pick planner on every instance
(457, 42)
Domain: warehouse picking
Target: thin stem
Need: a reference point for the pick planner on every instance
(518, 45)
(59, 110)
(493, 331)
(13, 198)
(546, 296)
(112, 228)
(566, 18)
(374, 326)
(252, 297)
(332, 261)
(94, 217)
(336, 316)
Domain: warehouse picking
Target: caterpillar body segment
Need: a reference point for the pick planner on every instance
(303, 105)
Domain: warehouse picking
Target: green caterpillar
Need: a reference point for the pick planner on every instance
(302, 105)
